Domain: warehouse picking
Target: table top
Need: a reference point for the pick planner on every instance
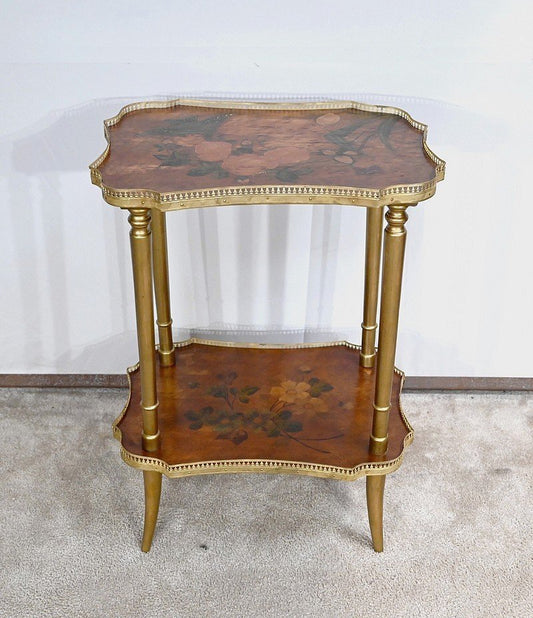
(305, 409)
(185, 153)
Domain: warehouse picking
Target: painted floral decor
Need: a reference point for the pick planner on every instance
(192, 141)
(217, 403)
(237, 411)
(187, 148)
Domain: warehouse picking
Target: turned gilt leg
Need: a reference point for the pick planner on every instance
(374, 228)
(162, 288)
(142, 278)
(393, 256)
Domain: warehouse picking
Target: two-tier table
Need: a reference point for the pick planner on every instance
(198, 407)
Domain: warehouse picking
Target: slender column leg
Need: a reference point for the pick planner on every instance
(374, 227)
(375, 486)
(142, 279)
(391, 284)
(161, 284)
(152, 495)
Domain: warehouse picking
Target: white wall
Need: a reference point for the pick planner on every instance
(463, 67)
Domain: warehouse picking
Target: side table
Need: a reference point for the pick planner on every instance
(200, 407)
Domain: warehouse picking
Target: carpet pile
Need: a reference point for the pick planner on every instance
(458, 522)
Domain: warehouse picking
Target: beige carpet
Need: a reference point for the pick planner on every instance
(458, 522)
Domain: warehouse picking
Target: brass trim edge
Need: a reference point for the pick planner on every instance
(116, 431)
(267, 466)
(409, 194)
(272, 346)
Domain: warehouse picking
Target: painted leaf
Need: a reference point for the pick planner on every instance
(189, 125)
(242, 150)
(249, 390)
(173, 159)
(204, 169)
(318, 387)
(211, 417)
(218, 391)
(239, 436)
(198, 171)
(293, 426)
(384, 131)
(286, 175)
(223, 428)
(373, 169)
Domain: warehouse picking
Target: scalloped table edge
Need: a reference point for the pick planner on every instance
(409, 194)
(268, 466)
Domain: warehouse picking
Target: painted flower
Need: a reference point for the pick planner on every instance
(244, 165)
(328, 119)
(286, 155)
(188, 140)
(291, 392)
(213, 151)
(238, 126)
(344, 159)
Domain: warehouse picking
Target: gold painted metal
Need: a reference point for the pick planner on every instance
(391, 284)
(267, 466)
(152, 497)
(374, 234)
(144, 310)
(275, 194)
(375, 486)
(162, 288)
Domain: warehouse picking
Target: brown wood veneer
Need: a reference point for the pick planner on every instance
(320, 397)
(185, 148)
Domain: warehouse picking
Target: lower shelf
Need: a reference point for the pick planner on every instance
(225, 408)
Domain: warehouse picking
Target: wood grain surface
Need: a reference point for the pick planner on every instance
(189, 148)
(309, 405)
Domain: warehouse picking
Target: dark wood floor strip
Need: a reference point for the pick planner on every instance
(412, 384)
(462, 383)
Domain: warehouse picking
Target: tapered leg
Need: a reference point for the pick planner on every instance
(393, 254)
(162, 288)
(374, 229)
(375, 486)
(142, 278)
(152, 495)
